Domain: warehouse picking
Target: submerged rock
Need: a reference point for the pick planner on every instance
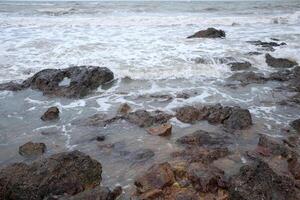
(296, 125)
(236, 66)
(209, 33)
(245, 78)
(279, 62)
(259, 181)
(31, 149)
(162, 130)
(51, 114)
(72, 82)
(63, 173)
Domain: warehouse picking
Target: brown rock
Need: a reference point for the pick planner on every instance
(51, 114)
(124, 109)
(32, 149)
(209, 33)
(162, 130)
(238, 119)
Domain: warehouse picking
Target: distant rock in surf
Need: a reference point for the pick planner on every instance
(279, 62)
(209, 33)
(80, 81)
(51, 114)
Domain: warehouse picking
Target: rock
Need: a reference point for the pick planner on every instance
(158, 177)
(209, 33)
(63, 173)
(51, 114)
(188, 114)
(245, 78)
(238, 119)
(259, 181)
(254, 53)
(281, 75)
(162, 130)
(140, 155)
(98, 193)
(203, 138)
(236, 66)
(279, 62)
(143, 118)
(294, 167)
(206, 178)
(32, 149)
(296, 125)
(81, 81)
(124, 109)
(182, 95)
(266, 44)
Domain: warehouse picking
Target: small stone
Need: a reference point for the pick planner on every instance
(124, 109)
(163, 130)
(51, 114)
(32, 149)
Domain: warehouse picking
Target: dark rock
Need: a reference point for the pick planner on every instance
(259, 181)
(82, 80)
(32, 149)
(183, 95)
(51, 114)
(296, 125)
(281, 75)
(294, 167)
(245, 78)
(188, 114)
(143, 118)
(124, 109)
(238, 119)
(236, 66)
(266, 44)
(209, 33)
(203, 138)
(63, 173)
(158, 176)
(138, 156)
(206, 178)
(279, 62)
(254, 53)
(162, 130)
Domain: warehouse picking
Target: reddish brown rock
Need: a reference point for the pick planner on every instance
(162, 130)
(51, 114)
(32, 149)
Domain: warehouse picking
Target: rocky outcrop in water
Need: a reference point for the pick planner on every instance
(66, 173)
(72, 82)
(246, 78)
(209, 33)
(237, 66)
(279, 62)
(51, 114)
(31, 149)
(231, 117)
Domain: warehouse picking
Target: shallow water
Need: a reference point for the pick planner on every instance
(145, 45)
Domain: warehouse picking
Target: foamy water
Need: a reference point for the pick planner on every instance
(146, 42)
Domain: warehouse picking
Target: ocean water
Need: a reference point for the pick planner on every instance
(145, 45)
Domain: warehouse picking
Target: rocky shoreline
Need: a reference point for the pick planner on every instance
(270, 170)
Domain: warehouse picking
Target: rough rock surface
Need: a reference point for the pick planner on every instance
(82, 80)
(32, 149)
(124, 109)
(259, 181)
(236, 66)
(238, 119)
(279, 62)
(296, 125)
(209, 33)
(162, 130)
(246, 78)
(51, 114)
(63, 173)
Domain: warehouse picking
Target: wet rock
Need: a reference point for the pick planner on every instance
(158, 177)
(188, 114)
(143, 118)
(81, 81)
(296, 125)
(294, 167)
(98, 193)
(281, 75)
(124, 109)
(266, 44)
(51, 114)
(140, 155)
(199, 154)
(203, 138)
(32, 149)
(258, 181)
(183, 95)
(245, 78)
(209, 33)
(279, 62)
(238, 119)
(63, 173)
(206, 178)
(162, 130)
(236, 66)
(254, 53)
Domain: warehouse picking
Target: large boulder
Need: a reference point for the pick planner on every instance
(258, 181)
(31, 149)
(209, 33)
(279, 62)
(63, 173)
(70, 82)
